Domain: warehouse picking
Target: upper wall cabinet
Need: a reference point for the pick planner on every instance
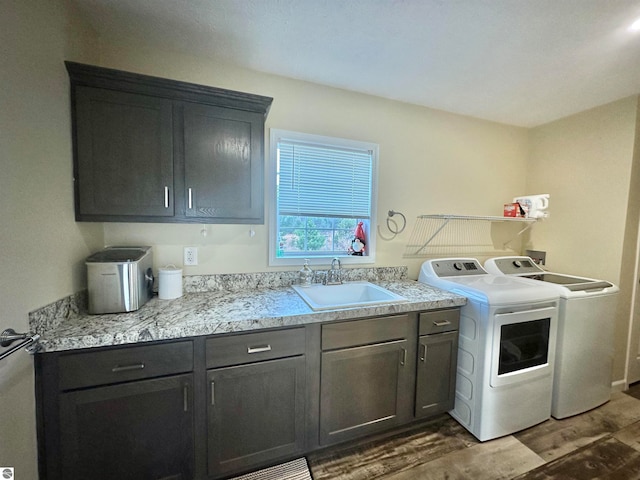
(147, 149)
(123, 154)
(223, 174)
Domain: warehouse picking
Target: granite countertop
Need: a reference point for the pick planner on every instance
(217, 312)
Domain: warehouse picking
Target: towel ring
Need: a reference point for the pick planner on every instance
(392, 225)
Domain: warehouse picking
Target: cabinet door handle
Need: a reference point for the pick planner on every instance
(213, 392)
(423, 357)
(404, 357)
(262, 348)
(443, 323)
(185, 397)
(126, 368)
(190, 199)
(166, 197)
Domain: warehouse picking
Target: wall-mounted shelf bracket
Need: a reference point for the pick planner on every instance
(531, 221)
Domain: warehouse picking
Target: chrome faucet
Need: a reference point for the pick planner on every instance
(334, 276)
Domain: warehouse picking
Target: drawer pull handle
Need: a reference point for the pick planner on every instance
(213, 393)
(423, 357)
(166, 197)
(260, 349)
(190, 199)
(127, 368)
(185, 397)
(404, 357)
(443, 323)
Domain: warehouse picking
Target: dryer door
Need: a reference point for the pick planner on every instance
(523, 345)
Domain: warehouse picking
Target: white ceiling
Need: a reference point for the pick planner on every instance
(521, 62)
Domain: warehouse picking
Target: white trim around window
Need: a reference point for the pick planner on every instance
(332, 184)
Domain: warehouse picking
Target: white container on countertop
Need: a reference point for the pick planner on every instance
(169, 282)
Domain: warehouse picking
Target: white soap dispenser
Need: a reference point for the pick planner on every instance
(305, 274)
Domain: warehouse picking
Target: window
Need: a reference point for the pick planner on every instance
(324, 194)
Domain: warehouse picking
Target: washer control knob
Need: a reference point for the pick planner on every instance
(457, 266)
(517, 263)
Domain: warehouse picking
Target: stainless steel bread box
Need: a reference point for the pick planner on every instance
(120, 279)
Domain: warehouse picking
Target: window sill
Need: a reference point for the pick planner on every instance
(324, 260)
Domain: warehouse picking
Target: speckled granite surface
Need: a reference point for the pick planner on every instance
(255, 281)
(206, 311)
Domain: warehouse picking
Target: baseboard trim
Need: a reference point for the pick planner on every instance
(619, 386)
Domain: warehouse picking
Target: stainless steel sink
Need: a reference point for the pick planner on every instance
(346, 295)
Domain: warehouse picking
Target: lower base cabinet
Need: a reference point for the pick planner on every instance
(437, 362)
(366, 379)
(361, 390)
(216, 407)
(256, 413)
(435, 382)
(141, 430)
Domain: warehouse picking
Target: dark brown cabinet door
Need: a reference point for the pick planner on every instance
(124, 155)
(436, 373)
(141, 430)
(256, 414)
(223, 163)
(364, 390)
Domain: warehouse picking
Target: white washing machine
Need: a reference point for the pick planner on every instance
(586, 327)
(506, 347)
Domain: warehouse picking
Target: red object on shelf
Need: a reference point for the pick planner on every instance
(510, 209)
(513, 210)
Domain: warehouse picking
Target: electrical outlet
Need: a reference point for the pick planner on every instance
(191, 255)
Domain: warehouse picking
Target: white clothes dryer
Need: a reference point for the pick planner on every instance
(506, 347)
(586, 327)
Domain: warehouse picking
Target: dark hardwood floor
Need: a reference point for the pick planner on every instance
(603, 443)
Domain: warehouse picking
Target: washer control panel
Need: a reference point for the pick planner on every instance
(512, 266)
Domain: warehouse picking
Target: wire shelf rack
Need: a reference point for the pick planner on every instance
(444, 235)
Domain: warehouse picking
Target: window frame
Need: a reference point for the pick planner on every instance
(274, 136)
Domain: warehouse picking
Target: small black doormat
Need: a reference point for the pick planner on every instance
(293, 470)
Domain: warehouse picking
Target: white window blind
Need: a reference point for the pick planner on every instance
(322, 180)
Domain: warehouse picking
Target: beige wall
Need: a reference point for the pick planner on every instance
(42, 247)
(430, 161)
(584, 161)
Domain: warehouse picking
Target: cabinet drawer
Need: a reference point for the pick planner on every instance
(254, 347)
(439, 321)
(364, 332)
(124, 364)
